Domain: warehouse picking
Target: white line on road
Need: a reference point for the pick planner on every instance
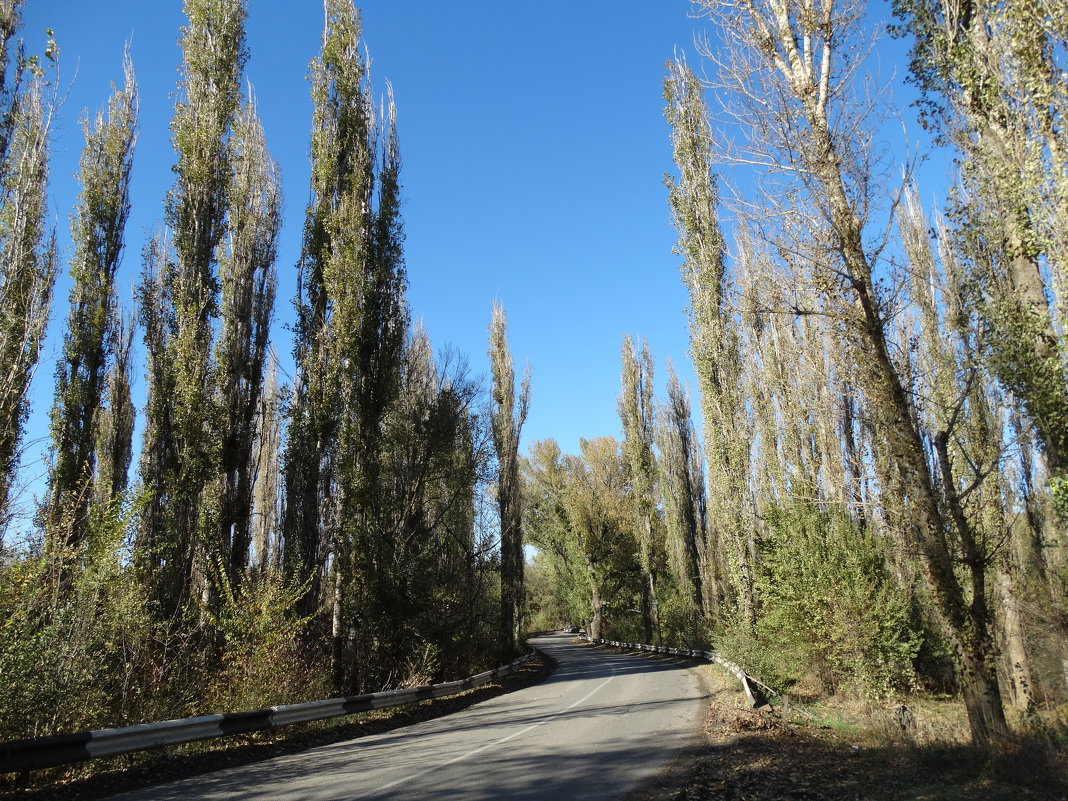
(494, 744)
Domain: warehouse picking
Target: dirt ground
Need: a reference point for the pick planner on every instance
(748, 755)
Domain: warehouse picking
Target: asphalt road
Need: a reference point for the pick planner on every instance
(597, 727)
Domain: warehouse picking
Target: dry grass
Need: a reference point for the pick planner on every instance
(844, 750)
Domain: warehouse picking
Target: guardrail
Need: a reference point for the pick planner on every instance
(758, 693)
(45, 752)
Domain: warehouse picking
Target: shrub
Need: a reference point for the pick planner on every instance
(830, 609)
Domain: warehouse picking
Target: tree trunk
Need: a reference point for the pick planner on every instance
(982, 695)
(746, 583)
(1019, 667)
(597, 619)
(337, 633)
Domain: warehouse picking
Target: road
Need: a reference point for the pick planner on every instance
(599, 725)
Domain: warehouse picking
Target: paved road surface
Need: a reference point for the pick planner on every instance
(595, 728)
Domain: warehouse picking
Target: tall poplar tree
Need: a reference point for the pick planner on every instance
(95, 351)
(965, 401)
(799, 57)
(637, 415)
(247, 287)
(508, 414)
(180, 306)
(28, 260)
(682, 487)
(115, 422)
(993, 82)
(714, 342)
(350, 332)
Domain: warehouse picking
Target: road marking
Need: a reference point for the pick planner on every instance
(494, 744)
(587, 695)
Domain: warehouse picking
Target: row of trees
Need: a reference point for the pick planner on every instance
(883, 392)
(277, 543)
(876, 503)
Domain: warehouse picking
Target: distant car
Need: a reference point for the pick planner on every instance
(571, 629)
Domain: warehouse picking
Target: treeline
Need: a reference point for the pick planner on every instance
(878, 505)
(275, 543)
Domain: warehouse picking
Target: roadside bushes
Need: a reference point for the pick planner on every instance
(262, 660)
(75, 633)
(832, 616)
(82, 645)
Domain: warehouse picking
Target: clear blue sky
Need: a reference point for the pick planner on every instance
(533, 144)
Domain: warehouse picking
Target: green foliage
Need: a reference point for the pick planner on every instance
(1058, 491)
(352, 323)
(92, 344)
(579, 514)
(261, 660)
(77, 657)
(508, 413)
(28, 259)
(180, 307)
(830, 609)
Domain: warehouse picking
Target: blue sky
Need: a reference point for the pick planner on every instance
(534, 148)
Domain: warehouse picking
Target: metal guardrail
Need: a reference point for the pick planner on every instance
(44, 752)
(756, 691)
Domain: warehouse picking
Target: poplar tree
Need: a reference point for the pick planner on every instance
(682, 483)
(714, 344)
(247, 287)
(964, 408)
(507, 416)
(993, 83)
(157, 466)
(371, 382)
(266, 491)
(427, 582)
(350, 332)
(342, 169)
(636, 413)
(180, 306)
(115, 421)
(87, 434)
(28, 260)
